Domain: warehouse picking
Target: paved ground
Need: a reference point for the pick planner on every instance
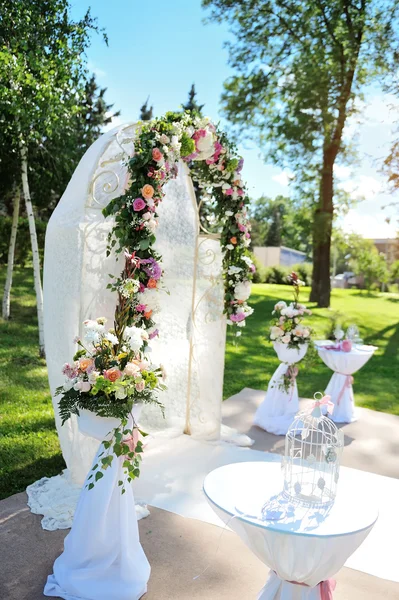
(179, 549)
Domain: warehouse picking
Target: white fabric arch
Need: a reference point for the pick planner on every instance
(76, 272)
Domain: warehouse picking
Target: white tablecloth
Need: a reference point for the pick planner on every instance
(344, 365)
(308, 545)
(279, 407)
(103, 558)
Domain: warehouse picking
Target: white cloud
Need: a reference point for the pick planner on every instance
(99, 73)
(342, 172)
(114, 123)
(284, 178)
(369, 226)
(381, 109)
(362, 187)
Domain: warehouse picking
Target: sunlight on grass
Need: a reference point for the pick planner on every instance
(251, 362)
(29, 447)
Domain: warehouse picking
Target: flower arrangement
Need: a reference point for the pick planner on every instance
(159, 146)
(110, 374)
(287, 327)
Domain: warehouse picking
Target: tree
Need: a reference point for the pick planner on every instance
(41, 70)
(370, 264)
(300, 67)
(146, 111)
(282, 221)
(192, 104)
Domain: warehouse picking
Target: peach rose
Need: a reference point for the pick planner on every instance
(148, 191)
(131, 369)
(85, 363)
(157, 154)
(112, 374)
(152, 283)
(233, 240)
(148, 314)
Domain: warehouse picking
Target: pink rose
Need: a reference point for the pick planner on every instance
(140, 385)
(146, 216)
(229, 192)
(157, 154)
(238, 317)
(138, 204)
(85, 387)
(131, 369)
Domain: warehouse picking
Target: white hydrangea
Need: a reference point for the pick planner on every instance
(133, 336)
(242, 290)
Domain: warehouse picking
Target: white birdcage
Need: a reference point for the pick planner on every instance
(313, 448)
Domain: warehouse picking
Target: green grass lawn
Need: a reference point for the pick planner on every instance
(29, 446)
(252, 361)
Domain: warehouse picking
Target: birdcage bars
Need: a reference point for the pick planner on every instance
(313, 447)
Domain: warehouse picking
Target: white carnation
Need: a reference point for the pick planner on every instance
(242, 290)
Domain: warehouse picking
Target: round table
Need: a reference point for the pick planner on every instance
(304, 548)
(344, 365)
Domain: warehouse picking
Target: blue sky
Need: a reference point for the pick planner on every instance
(159, 48)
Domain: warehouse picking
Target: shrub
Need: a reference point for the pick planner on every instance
(23, 246)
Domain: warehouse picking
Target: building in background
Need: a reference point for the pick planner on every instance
(273, 256)
(389, 247)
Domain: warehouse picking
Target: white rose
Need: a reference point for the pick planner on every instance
(120, 393)
(152, 224)
(233, 270)
(289, 312)
(286, 339)
(242, 290)
(93, 376)
(206, 143)
(229, 213)
(146, 216)
(280, 305)
(276, 332)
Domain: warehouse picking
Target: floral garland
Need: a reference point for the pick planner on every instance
(111, 370)
(159, 146)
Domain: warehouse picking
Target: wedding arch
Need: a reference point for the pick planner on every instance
(197, 273)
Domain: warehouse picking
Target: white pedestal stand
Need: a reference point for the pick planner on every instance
(279, 407)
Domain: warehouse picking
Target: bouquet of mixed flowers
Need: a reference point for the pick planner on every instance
(287, 327)
(108, 375)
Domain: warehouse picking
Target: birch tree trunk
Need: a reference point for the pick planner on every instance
(35, 248)
(11, 254)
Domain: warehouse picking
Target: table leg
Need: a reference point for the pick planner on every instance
(341, 391)
(279, 407)
(277, 588)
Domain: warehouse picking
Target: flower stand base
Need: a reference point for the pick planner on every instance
(103, 558)
(279, 407)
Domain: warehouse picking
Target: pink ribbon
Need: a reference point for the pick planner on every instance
(347, 384)
(325, 401)
(326, 588)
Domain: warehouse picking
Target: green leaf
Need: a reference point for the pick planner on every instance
(99, 475)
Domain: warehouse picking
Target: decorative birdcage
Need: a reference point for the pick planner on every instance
(313, 448)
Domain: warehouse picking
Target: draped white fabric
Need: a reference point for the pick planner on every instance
(191, 323)
(280, 406)
(103, 558)
(344, 364)
(306, 545)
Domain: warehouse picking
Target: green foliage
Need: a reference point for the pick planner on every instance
(371, 265)
(283, 221)
(299, 67)
(394, 272)
(146, 112)
(23, 251)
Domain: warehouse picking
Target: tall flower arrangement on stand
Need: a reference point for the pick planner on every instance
(287, 327)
